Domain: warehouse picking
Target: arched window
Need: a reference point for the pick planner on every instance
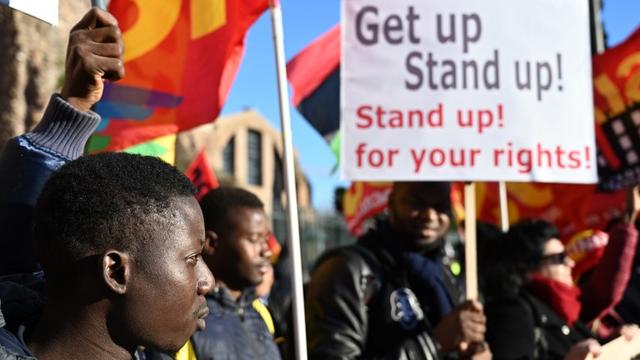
(229, 156)
(255, 158)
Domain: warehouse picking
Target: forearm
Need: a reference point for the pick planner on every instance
(606, 285)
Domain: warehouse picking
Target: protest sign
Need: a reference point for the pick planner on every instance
(619, 348)
(43, 10)
(467, 90)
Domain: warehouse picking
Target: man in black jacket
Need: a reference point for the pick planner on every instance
(389, 295)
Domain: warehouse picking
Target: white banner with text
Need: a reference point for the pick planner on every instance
(471, 90)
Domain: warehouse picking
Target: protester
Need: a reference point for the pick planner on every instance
(534, 310)
(118, 237)
(377, 299)
(237, 253)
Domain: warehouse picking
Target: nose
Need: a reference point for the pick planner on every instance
(265, 250)
(429, 214)
(206, 281)
(569, 262)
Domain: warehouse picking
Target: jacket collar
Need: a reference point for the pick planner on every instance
(222, 295)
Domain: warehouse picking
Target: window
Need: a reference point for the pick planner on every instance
(278, 183)
(229, 156)
(255, 157)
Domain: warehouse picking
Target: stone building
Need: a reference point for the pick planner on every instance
(246, 151)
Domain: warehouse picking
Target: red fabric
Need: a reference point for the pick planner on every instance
(610, 63)
(605, 286)
(616, 73)
(307, 70)
(586, 248)
(362, 201)
(562, 298)
(571, 208)
(612, 100)
(201, 175)
(186, 61)
(275, 247)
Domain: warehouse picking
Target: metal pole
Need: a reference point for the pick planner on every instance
(597, 30)
(504, 206)
(290, 182)
(99, 3)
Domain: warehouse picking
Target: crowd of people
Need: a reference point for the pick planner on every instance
(110, 256)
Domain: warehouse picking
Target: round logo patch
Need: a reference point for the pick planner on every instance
(405, 308)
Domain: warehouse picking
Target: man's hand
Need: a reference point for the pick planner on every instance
(584, 349)
(94, 53)
(463, 326)
(476, 351)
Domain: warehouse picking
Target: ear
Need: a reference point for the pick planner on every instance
(116, 270)
(211, 242)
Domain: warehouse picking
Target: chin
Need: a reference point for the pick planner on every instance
(257, 281)
(425, 244)
(171, 349)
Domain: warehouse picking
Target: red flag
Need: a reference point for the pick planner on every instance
(181, 58)
(311, 67)
(201, 175)
(362, 201)
(616, 79)
(571, 208)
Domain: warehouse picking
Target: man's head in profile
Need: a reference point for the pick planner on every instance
(120, 238)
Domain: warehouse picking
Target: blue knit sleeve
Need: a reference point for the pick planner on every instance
(25, 165)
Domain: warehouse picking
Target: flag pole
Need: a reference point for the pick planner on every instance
(290, 182)
(470, 247)
(98, 3)
(504, 206)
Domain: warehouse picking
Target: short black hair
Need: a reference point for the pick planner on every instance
(518, 252)
(97, 202)
(217, 203)
(527, 239)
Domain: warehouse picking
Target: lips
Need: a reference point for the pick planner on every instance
(201, 315)
(428, 230)
(203, 312)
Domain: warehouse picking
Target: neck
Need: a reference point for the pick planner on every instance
(78, 333)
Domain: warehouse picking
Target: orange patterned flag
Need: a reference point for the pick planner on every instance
(571, 208)
(362, 201)
(616, 89)
(181, 57)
